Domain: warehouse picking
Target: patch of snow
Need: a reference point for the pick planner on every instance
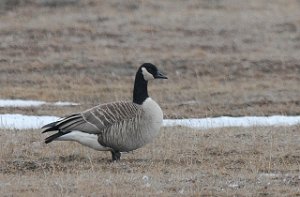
(31, 103)
(20, 103)
(225, 121)
(64, 103)
(18, 121)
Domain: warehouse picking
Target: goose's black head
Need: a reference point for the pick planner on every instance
(149, 72)
(145, 73)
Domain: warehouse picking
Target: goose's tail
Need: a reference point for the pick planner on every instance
(63, 126)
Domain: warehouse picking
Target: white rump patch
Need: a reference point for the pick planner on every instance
(147, 76)
(86, 139)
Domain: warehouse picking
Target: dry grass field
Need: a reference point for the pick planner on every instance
(216, 162)
(222, 58)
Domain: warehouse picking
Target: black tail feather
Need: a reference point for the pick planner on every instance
(54, 136)
(54, 126)
(63, 126)
(50, 124)
(50, 127)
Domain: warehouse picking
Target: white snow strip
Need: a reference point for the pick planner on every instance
(30, 103)
(20, 103)
(18, 121)
(64, 103)
(225, 121)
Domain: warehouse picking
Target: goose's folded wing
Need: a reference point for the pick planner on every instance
(95, 119)
(104, 116)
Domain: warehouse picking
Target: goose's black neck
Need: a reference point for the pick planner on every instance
(140, 90)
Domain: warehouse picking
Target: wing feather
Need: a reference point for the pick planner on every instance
(104, 116)
(95, 120)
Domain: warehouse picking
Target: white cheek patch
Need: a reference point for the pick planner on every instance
(146, 74)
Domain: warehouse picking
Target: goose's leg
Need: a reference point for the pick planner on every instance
(116, 155)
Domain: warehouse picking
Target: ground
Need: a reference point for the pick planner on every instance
(221, 57)
(216, 162)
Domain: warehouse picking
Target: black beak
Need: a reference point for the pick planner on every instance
(159, 75)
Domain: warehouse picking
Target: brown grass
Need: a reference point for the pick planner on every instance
(218, 162)
(234, 58)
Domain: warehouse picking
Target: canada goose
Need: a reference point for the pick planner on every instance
(116, 127)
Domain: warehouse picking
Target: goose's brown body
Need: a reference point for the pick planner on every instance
(122, 126)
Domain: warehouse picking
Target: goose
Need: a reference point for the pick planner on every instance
(117, 127)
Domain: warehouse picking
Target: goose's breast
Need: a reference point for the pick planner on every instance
(153, 115)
